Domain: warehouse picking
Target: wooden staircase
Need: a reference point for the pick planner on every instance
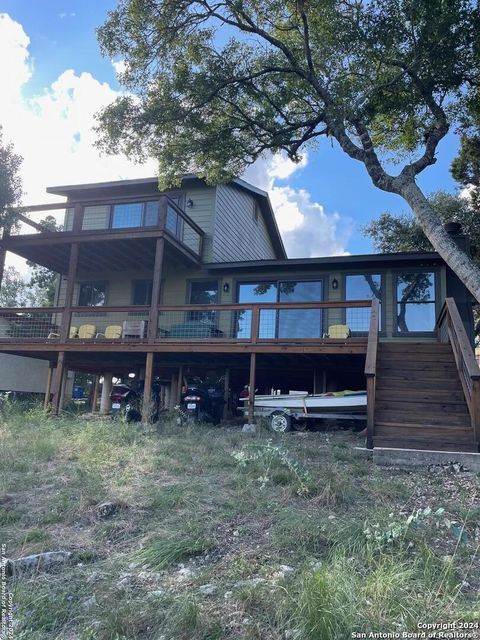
(423, 395)
(419, 400)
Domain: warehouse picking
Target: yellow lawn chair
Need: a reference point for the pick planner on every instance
(112, 332)
(338, 332)
(87, 331)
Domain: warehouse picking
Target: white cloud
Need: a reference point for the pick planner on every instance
(66, 14)
(53, 131)
(307, 230)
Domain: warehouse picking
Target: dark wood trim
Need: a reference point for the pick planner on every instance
(78, 213)
(251, 395)
(371, 370)
(157, 279)
(72, 272)
(57, 382)
(147, 388)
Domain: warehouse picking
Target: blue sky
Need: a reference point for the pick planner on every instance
(321, 205)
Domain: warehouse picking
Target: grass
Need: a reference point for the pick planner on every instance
(226, 536)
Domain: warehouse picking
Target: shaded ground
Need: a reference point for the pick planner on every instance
(218, 534)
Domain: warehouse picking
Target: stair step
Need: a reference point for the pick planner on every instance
(397, 405)
(443, 356)
(413, 365)
(445, 385)
(417, 347)
(416, 374)
(427, 418)
(420, 443)
(407, 394)
(394, 427)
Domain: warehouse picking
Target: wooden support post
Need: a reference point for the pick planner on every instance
(173, 392)
(96, 385)
(255, 326)
(147, 389)
(370, 410)
(77, 223)
(48, 389)
(72, 272)
(105, 400)
(180, 384)
(251, 396)
(57, 383)
(226, 393)
(156, 282)
(63, 388)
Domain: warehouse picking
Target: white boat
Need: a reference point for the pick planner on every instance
(301, 401)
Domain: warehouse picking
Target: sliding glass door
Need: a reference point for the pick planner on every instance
(283, 323)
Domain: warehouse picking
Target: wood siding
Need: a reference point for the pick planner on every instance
(237, 236)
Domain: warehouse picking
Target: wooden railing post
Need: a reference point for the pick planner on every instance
(475, 412)
(371, 371)
(251, 395)
(156, 282)
(72, 272)
(255, 326)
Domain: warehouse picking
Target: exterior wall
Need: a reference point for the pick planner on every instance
(22, 374)
(237, 236)
(175, 287)
(203, 213)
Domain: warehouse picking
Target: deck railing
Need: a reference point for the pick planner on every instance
(243, 323)
(371, 370)
(450, 329)
(122, 214)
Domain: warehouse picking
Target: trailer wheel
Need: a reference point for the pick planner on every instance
(280, 422)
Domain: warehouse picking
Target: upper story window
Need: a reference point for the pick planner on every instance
(142, 292)
(203, 292)
(415, 302)
(92, 294)
(366, 286)
(134, 214)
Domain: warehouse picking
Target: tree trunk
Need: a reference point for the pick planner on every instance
(456, 259)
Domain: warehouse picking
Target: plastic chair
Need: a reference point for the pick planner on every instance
(112, 332)
(73, 333)
(87, 331)
(338, 331)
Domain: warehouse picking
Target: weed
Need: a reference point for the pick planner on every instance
(164, 552)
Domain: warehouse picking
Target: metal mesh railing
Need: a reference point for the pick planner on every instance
(179, 226)
(192, 325)
(30, 324)
(108, 325)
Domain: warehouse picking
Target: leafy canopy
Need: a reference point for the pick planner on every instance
(213, 84)
(10, 181)
(392, 234)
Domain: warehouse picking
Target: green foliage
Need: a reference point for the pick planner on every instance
(392, 234)
(266, 456)
(219, 83)
(164, 552)
(10, 181)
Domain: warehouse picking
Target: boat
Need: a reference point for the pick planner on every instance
(345, 402)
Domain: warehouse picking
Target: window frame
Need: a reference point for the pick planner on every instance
(276, 281)
(383, 288)
(84, 282)
(132, 296)
(437, 302)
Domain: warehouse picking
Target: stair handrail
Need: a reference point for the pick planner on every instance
(371, 369)
(450, 328)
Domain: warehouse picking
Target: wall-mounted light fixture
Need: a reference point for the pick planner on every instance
(189, 203)
(226, 287)
(334, 283)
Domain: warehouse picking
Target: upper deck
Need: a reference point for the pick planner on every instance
(119, 233)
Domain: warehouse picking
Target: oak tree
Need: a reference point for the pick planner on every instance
(212, 85)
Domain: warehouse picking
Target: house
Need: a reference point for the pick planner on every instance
(195, 280)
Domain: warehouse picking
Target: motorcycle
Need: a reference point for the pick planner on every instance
(126, 403)
(201, 403)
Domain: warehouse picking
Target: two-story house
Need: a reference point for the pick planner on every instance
(196, 281)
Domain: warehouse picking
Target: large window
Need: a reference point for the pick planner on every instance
(367, 286)
(135, 214)
(92, 294)
(415, 302)
(142, 292)
(203, 292)
(283, 323)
